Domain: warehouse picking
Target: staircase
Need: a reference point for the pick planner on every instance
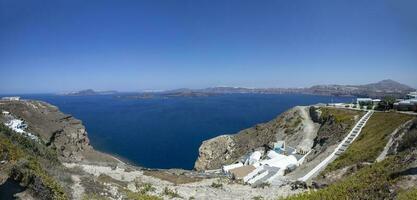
(353, 134)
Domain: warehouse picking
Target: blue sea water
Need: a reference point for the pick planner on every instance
(167, 132)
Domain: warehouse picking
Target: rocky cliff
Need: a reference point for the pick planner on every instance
(57, 130)
(294, 126)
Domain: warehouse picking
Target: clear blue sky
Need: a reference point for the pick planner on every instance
(55, 46)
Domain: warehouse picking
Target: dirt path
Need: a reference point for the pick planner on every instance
(309, 130)
(196, 190)
(77, 188)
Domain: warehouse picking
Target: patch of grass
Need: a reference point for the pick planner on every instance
(408, 194)
(340, 115)
(140, 196)
(145, 188)
(410, 139)
(370, 182)
(30, 172)
(107, 179)
(37, 149)
(170, 193)
(93, 197)
(30, 160)
(217, 184)
(8, 151)
(258, 198)
(371, 141)
(263, 185)
(173, 178)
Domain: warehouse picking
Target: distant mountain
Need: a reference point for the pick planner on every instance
(375, 90)
(90, 92)
(242, 90)
(388, 85)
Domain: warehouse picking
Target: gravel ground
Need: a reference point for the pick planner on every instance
(199, 190)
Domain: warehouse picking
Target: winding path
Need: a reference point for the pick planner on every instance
(309, 129)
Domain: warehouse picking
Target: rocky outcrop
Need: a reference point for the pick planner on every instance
(293, 126)
(215, 152)
(57, 130)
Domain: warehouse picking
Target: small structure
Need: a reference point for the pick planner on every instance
(360, 101)
(253, 158)
(256, 169)
(5, 112)
(19, 126)
(279, 146)
(376, 101)
(406, 105)
(11, 98)
(227, 168)
(412, 95)
(240, 173)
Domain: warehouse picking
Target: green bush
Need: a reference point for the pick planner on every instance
(140, 196)
(409, 140)
(170, 193)
(26, 155)
(216, 184)
(410, 194)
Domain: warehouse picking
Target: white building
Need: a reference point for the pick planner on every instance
(256, 169)
(412, 95)
(363, 100)
(376, 101)
(406, 105)
(5, 112)
(11, 98)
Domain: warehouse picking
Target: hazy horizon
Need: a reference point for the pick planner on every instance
(62, 46)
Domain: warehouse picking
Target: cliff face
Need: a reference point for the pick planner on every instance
(294, 126)
(57, 130)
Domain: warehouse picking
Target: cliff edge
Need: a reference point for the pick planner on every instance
(61, 132)
(295, 126)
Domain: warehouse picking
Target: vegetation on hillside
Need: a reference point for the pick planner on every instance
(340, 115)
(370, 182)
(371, 141)
(334, 124)
(376, 180)
(28, 162)
(408, 194)
(386, 103)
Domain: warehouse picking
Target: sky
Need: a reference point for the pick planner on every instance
(60, 46)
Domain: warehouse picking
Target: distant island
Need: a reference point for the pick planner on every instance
(373, 90)
(90, 92)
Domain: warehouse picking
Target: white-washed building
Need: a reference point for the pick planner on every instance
(11, 98)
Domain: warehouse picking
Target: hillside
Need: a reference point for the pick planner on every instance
(69, 168)
(62, 164)
(380, 164)
(299, 127)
